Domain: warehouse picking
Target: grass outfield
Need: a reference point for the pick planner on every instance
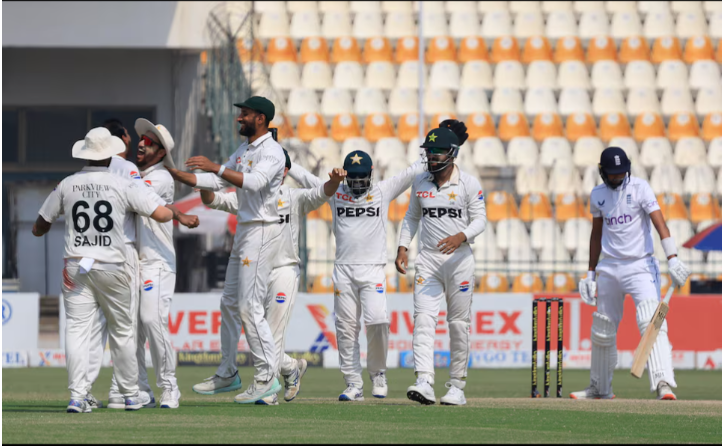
(498, 411)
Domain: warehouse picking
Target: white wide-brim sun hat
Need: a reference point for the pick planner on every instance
(98, 145)
(144, 125)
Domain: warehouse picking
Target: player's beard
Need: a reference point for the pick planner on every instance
(247, 129)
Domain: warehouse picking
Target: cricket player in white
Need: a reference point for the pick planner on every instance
(256, 169)
(623, 209)
(293, 205)
(97, 271)
(450, 205)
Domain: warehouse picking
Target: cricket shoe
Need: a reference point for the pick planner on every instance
(270, 400)
(422, 392)
(293, 381)
(116, 402)
(454, 397)
(92, 401)
(78, 406)
(352, 393)
(134, 402)
(379, 385)
(664, 392)
(258, 390)
(218, 384)
(590, 393)
(149, 402)
(169, 398)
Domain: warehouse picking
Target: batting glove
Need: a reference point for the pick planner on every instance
(458, 127)
(587, 288)
(678, 271)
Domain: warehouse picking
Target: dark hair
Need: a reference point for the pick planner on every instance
(115, 126)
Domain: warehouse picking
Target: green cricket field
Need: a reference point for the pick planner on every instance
(498, 410)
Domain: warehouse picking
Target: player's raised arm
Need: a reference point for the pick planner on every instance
(409, 229)
(304, 177)
(227, 202)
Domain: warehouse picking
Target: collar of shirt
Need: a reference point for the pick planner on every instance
(156, 166)
(260, 140)
(94, 169)
(453, 181)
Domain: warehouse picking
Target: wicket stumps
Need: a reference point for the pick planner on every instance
(547, 359)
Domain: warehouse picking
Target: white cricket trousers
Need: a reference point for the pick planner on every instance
(642, 280)
(107, 286)
(99, 331)
(283, 285)
(157, 287)
(360, 291)
(439, 276)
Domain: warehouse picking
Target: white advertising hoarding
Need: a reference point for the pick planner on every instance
(21, 314)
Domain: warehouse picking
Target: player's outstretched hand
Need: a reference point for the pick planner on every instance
(678, 271)
(458, 127)
(338, 175)
(190, 221)
(448, 245)
(202, 163)
(401, 260)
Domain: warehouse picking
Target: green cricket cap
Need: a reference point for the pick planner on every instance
(259, 104)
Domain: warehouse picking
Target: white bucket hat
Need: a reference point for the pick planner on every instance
(98, 145)
(144, 125)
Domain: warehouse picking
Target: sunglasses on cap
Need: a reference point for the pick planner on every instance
(149, 142)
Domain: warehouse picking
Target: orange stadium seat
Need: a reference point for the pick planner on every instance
(285, 129)
(377, 49)
(569, 206)
(505, 48)
(718, 52)
(407, 127)
(398, 208)
(569, 48)
(698, 48)
(281, 49)
(704, 207)
(683, 125)
(579, 125)
(406, 50)
(561, 283)
(345, 126)
(322, 284)
(346, 49)
(535, 206)
(325, 212)
(378, 126)
(500, 205)
(666, 48)
(527, 283)
(249, 50)
(537, 48)
(440, 48)
(493, 283)
(613, 125)
(648, 125)
(634, 48)
(480, 125)
(391, 282)
(310, 126)
(547, 125)
(472, 48)
(601, 48)
(313, 49)
(672, 206)
(512, 125)
(712, 127)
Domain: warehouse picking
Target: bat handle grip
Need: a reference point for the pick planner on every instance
(669, 293)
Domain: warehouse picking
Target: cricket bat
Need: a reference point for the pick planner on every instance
(641, 355)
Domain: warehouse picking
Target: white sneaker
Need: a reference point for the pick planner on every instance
(293, 382)
(590, 393)
(134, 403)
(217, 384)
(453, 397)
(93, 403)
(379, 385)
(352, 393)
(258, 390)
(116, 402)
(169, 398)
(78, 406)
(422, 392)
(270, 400)
(664, 392)
(147, 399)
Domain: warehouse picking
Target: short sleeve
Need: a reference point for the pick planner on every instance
(139, 200)
(594, 210)
(647, 199)
(53, 206)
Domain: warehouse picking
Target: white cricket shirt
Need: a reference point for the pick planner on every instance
(155, 240)
(456, 206)
(360, 225)
(626, 221)
(262, 163)
(292, 205)
(95, 203)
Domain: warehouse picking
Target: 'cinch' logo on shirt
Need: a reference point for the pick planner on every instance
(620, 220)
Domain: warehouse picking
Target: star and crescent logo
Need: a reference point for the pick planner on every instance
(246, 262)
(452, 196)
(280, 203)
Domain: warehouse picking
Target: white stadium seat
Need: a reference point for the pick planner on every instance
(348, 75)
(561, 24)
(496, 24)
(576, 233)
(336, 101)
(699, 179)
(642, 100)
(352, 144)
(506, 100)
(529, 179)
(369, 101)
(540, 100)
(472, 100)
(608, 100)
(591, 179)
(524, 6)
(709, 6)
(708, 100)
(655, 151)
(676, 100)
(332, 6)
(625, 24)
(463, 24)
(408, 76)
(388, 150)
(530, 24)
(658, 24)
(544, 232)
(616, 6)
(584, 6)
(489, 152)
(574, 100)
(445, 74)
(587, 151)
(628, 145)
(400, 24)
(714, 155)
(273, 24)
(685, 6)
(380, 75)
(367, 24)
(467, 7)
(509, 74)
(403, 101)
(522, 151)
(316, 75)
(270, 6)
(672, 73)
(573, 74)
(593, 24)
(492, 6)
(305, 24)
(365, 6)
(511, 232)
(437, 7)
(555, 258)
(606, 74)
(564, 178)
(434, 24)
(704, 74)
(437, 101)
(639, 74)
(715, 26)
(666, 178)
(690, 24)
(477, 73)
(285, 75)
(301, 101)
(541, 74)
(326, 148)
(689, 152)
(336, 24)
(554, 149)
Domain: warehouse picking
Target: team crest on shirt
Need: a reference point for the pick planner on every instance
(628, 199)
(465, 286)
(148, 285)
(135, 175)
(420, 280)
(238, 160)
(281, 298)
(380, 289)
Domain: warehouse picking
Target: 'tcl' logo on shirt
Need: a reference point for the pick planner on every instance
(620, 220)
(344, 197)
(425, 194)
